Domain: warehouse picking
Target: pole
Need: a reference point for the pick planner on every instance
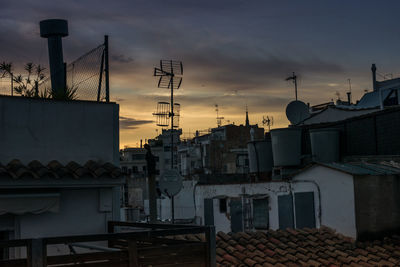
(12, 84)
(100, 77)
(36, 89)
(173, 210)
(106, 68)
(172, 139)
(295, 84)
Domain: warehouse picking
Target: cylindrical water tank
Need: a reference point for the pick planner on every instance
(286, 146)
(325, 144)
(260, 156)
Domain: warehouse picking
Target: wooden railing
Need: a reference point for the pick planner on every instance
(129, 245)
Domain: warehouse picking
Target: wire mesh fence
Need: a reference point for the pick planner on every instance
(85, 77)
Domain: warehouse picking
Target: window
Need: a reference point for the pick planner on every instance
(134, 169)
(144, 168)
(222, 205)
(124, 169)
(167, 148)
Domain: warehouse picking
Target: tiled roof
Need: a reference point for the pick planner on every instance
(15, 169)
(363, 168)
(306, 247)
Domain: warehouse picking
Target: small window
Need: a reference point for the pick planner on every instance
(144, 168)
(222, 205)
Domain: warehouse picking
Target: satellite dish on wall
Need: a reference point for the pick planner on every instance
(170, 183)
(297, 111)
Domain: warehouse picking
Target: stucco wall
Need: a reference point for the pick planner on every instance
(82, 211)
(334, 196)
(337, 198)
(44, 130)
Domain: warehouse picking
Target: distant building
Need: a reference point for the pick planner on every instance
(223, 150)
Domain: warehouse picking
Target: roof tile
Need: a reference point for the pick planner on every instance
(307, 247)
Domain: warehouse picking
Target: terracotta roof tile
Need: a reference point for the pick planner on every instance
(55, 170)
(306, 247)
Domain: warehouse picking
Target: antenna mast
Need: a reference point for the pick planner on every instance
(269, 121)
(170, 73)
(294, 78)
(219, 119)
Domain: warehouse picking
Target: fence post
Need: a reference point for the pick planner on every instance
(37, 253)
(211, 246)
(133, 254)
(106, 68)
(110, 230)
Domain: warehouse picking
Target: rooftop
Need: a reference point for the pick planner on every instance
(306, 247)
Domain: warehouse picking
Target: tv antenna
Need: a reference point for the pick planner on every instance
(219, 119)
(170, 73)
(294, 78)
(269, 121)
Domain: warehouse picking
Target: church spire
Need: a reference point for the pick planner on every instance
(247, 117)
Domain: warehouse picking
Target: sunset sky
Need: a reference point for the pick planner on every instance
(235, 53)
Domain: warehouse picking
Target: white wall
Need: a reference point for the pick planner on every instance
(337, 198)
(336, 191)
(80, 214)
(184, 205)
(222, 220)
(44, 130)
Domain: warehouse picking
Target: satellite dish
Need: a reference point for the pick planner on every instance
(170, 183)
(297, 111)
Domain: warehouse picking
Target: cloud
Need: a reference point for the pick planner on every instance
(121, 58)
(126, 123)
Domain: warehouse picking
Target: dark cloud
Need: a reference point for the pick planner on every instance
(131, 123)
(121, 58)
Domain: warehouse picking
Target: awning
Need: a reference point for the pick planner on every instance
(19, 204)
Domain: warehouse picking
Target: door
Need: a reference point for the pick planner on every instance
(260, 213)
(236, 215)
(208, 211)
(285, 211)
(305, 211)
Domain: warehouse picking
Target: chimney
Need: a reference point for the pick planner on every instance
(141, 143)
(53, 30)
(373, 69)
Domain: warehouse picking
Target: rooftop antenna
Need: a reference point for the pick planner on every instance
(269, 121)
(294, 78)
(349, 92)
(170, 73)
(219, 119)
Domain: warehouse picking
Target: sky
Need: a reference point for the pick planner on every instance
(235, 53)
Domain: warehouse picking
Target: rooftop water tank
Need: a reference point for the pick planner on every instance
(286, 146)
(325, 144)
(260, 156)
